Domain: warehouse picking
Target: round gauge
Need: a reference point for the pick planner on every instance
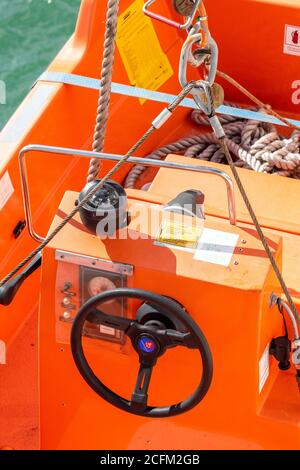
(100, 284)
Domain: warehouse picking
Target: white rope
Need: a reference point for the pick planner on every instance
(253, 144)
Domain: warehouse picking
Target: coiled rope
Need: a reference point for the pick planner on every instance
(105, 86)
(253, 144)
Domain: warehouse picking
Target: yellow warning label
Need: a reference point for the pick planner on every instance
(145, 62)
(180, 233)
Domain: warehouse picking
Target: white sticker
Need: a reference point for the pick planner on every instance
(291, 40)
(216, 247)
(264, 368)
(2, 353)
(107, 330)
(6, 189)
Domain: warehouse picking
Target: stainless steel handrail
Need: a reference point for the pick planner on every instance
(169, 22)
(104, 156)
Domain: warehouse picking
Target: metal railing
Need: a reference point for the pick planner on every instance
(45, 149)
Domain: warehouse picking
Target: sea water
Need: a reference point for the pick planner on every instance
(31, 34)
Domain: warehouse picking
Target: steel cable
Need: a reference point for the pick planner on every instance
(258, 229)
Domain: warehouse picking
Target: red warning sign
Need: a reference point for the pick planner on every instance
(292, 40)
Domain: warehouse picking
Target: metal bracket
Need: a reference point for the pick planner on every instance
(90, 262)
(45, 149)
(169, 22)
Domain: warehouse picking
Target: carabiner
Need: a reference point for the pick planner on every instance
(169, 22)
(186, 52)
(186, 56)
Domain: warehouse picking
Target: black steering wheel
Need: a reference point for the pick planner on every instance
(149, 341)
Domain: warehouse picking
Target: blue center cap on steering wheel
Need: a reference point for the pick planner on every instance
(146, 344)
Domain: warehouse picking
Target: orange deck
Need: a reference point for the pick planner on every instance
(19, 410)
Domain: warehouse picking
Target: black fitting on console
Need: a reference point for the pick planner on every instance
(280, 348)
(190, 202)
(9, 290)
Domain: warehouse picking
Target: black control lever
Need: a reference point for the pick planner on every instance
(190, 202)
(10, 289)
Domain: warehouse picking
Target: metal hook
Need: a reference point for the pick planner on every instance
(186, 54)
(186, 57)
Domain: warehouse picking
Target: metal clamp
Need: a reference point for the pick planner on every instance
(104, 156)
(163, 19)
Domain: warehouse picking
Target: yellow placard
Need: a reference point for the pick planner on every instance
(180, 233)
(145, 62)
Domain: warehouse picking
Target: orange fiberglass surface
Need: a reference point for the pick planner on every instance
(172, 286)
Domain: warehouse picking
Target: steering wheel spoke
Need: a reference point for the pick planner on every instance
(173, 338)
(139, 398)
(98, 317)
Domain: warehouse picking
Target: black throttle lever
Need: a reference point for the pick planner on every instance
(9, 290)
